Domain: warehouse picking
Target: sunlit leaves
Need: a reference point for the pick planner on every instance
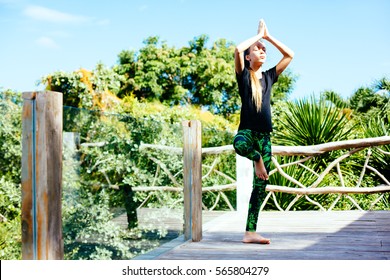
(310, 122)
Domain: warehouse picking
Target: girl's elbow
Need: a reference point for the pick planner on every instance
(237, 51)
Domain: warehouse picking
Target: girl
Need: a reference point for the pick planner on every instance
(253, 137)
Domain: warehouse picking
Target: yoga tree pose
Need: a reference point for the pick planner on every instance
(253, 137)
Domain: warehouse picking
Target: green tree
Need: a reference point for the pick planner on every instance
(96, 89)
(364, 99)
(284, 86)
(154, 73)
(195, 74)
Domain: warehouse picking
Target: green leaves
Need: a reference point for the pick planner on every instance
(197, 75)
(310, 122)
(10, 135)
(284, 86)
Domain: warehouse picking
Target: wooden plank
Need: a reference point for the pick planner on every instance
(49, 181)
(196, 131)
(192, 180)
(185, 254)
(300, 235)
(42, 176)
(187, 227)
(27, 215)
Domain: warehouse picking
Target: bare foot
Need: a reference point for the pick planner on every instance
(253, 237)
(260, 170)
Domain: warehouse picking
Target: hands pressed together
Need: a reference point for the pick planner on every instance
(262, 29)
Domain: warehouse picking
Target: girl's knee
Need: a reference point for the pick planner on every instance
(241, 146)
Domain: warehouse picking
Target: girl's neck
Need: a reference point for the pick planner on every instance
(257, 69)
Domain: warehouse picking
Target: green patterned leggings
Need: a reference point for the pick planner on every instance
(253, 145)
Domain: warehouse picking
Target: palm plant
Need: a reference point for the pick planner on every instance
(383, 84)
(379, 125)
(336, 99)
(310, 122)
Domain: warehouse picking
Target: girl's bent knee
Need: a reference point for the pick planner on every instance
(241, 146)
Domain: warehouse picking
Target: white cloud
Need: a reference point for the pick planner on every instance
(47, 42)
(50, 15)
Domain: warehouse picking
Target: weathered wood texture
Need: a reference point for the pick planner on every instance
(192, 133)
(326, 190)
(300, 235)
(290, 150)
(42, 175)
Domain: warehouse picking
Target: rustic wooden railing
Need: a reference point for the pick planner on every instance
(42, 172)
(301, 190)
(175, 186)
(245, 171)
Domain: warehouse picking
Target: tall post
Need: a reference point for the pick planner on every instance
(42, 176)
(192, 180)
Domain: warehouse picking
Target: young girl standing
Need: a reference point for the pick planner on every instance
(253, 137)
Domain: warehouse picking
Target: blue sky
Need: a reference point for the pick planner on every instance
(339, 45)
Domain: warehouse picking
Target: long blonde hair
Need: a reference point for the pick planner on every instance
(257, 89)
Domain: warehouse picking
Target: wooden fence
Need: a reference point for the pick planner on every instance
(42, 175)
(243, 183)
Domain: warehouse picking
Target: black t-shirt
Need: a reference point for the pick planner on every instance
(250, 118)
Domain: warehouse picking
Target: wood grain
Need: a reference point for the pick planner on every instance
(192, 156)
(42, 176)
(300, 235)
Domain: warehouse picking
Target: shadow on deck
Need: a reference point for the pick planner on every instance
(303, 235)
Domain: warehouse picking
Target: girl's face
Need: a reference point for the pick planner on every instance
(257, 53)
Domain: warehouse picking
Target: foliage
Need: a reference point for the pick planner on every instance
(96, 89)
(364, 99)
(310, 122)
(108, 161)
(378, 124)
(10, 199)
(370, 107)
(88, 230)
(10, 135)
(144, 99)
(284, 86)
(10, 227)
(301, 174)
(195, 75)
(10, 175)
(11, 240)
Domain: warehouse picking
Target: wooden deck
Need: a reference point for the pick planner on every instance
(304, 235)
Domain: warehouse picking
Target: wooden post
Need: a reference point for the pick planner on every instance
(42, 176)
(192, 180)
